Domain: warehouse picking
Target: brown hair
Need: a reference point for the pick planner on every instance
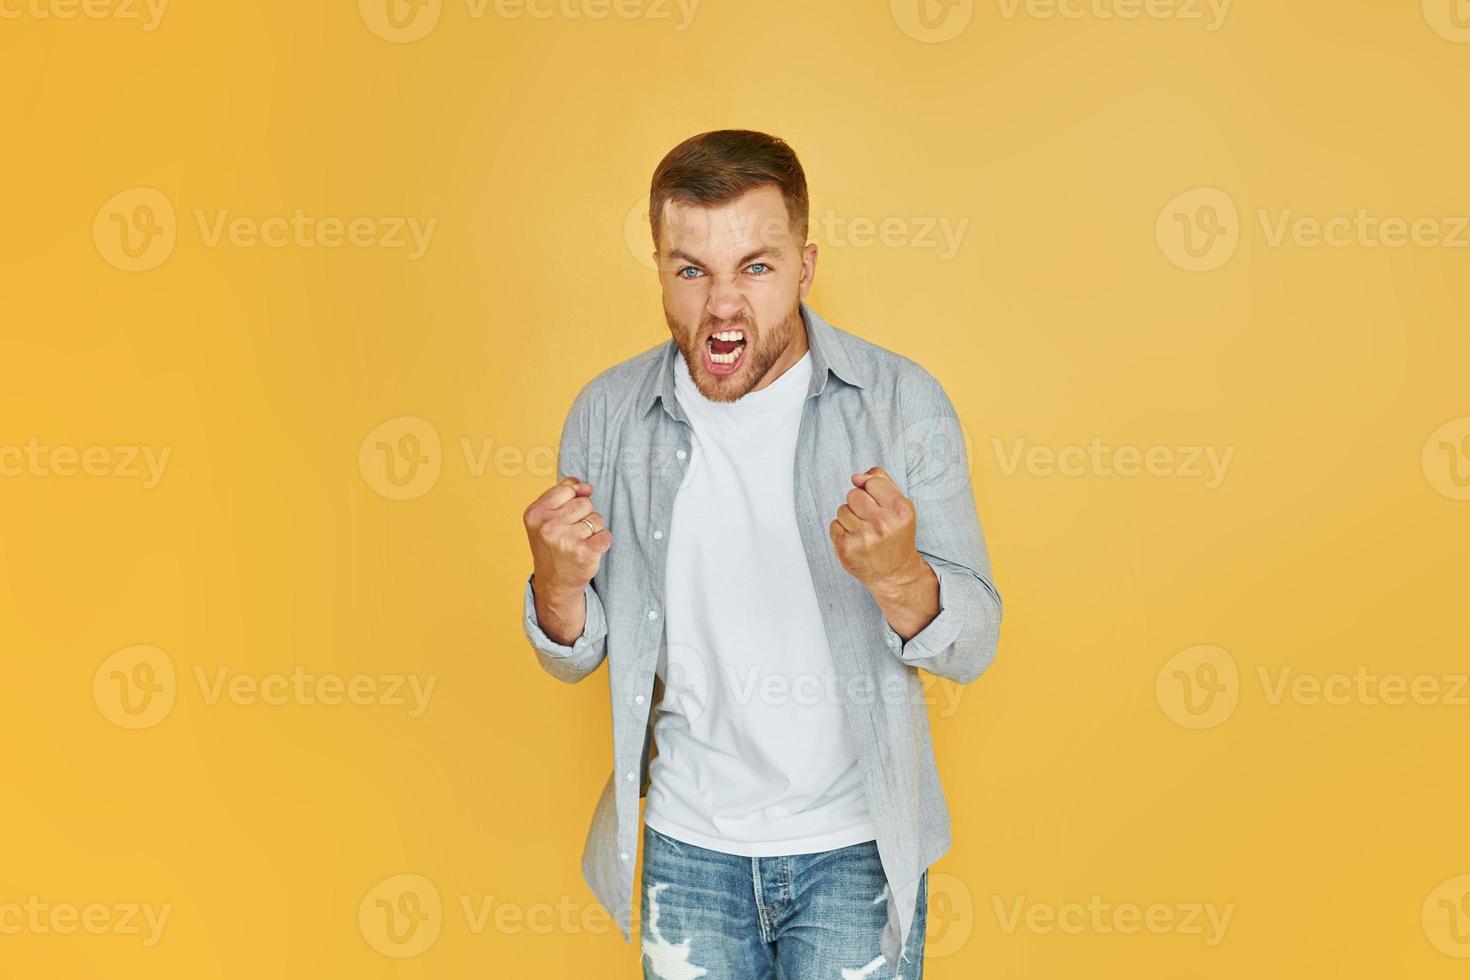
(716, 167)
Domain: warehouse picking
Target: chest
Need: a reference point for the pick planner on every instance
(800, 471)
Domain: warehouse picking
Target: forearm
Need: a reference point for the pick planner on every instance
(910, 598)
(560, 611)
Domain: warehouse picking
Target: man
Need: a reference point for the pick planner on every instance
(773, 518)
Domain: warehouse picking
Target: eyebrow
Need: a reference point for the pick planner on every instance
(744, 261)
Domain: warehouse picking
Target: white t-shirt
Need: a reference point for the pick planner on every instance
(754, 754)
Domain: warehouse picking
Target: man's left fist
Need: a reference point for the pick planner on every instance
(873, 534)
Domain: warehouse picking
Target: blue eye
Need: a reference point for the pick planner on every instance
(760, 268)
(687, 268)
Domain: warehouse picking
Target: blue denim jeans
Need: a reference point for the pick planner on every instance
(708, 914)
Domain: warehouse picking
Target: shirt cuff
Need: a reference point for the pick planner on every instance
(592, 633)
(935, 638)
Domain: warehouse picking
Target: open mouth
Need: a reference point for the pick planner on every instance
(724, 350)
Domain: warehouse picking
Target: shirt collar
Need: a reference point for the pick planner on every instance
(828, 354)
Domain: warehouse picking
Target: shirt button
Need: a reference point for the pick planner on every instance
(638, 699)
(629, 776)
(658, 535)
(653, 614)
(623, 856)
(681, 454)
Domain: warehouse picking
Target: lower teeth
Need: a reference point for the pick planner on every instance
(729, 358)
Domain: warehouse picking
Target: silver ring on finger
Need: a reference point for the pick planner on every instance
(590, 528)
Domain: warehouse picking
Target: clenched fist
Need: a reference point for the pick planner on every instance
(873, 534)
(568, 541)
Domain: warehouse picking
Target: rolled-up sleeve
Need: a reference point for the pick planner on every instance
(960, 642)
(938, 635)
(571, 662)
(577, 660)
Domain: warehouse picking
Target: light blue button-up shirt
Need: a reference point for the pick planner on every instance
(866, 406)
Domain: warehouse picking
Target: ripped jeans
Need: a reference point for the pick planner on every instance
(717, 916)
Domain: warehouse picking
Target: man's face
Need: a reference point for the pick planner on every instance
(733, 277)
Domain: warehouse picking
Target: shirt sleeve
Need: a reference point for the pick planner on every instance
(938, 636)
(569, 662)
(574, 661)
(960, 642)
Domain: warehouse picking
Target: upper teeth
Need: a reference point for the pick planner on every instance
(729, 335)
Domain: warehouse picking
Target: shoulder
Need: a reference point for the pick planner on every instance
(613, 391)
(919, 421)
(886, 375)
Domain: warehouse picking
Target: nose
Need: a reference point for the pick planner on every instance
(726, 302)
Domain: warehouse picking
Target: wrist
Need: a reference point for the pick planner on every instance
(902, 580)
(555, 593)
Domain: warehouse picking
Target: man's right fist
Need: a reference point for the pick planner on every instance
(565, 550)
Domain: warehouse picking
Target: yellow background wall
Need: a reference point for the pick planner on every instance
(1149, 738)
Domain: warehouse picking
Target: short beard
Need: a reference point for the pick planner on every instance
(762, 352)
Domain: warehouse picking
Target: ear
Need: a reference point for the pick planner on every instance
(808, 268)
